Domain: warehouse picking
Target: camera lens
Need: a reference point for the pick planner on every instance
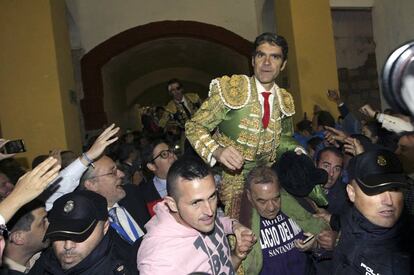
(398, 68)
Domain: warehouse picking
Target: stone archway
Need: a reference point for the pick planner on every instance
(92, 63)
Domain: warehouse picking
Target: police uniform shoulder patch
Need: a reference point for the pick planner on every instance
(193, 97)
(287, 105)
(235, 91)
(381, 161)
(170, 107)
(120, 269)
(69, 205)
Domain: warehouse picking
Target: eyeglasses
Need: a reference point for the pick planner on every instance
(164, 154)
(114, 172)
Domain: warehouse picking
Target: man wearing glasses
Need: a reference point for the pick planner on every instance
(126, 208)
(158, 158)
(105, 179)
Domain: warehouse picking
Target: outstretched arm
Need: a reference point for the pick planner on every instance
(28, 187)
(71, 175)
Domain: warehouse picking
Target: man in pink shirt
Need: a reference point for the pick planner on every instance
(186, 235)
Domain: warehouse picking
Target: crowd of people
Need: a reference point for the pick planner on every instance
(225, 185)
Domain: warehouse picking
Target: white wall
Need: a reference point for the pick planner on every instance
(352, 3)
(98, 20)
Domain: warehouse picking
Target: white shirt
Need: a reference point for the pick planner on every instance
(70, 177)
(260, 89)
(161, 186)
(272, 95)
(185, 103)
(13, 265)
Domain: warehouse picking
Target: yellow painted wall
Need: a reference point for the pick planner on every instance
(307, 25)
(65, 73)
(35, 74)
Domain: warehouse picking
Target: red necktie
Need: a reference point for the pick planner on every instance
(266, 114)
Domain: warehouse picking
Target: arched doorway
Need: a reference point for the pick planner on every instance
(138, 61)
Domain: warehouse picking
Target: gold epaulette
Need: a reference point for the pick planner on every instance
(193, 97)
(287, 105)
(170, 107)
(235, 91)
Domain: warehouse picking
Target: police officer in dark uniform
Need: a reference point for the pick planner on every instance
(81, 243)
(372, 232)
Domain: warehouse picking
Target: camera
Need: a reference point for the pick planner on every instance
(398, 79)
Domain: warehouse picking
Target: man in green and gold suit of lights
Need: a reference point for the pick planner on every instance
(246, 121)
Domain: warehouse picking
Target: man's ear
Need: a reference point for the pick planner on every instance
(18, 237)
(91, 185)
(253, 56)
(283, 65)
(151, 167)
(351, 192)
(171, 203)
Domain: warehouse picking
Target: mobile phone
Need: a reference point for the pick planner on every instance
(308, 239)
(14, 146)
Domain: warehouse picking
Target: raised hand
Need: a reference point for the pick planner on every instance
(104, 140)
(29, 186)
(34, 182)
(333, 95)
(353, 146)
(367, 110)
(333, 135)
(55, 153)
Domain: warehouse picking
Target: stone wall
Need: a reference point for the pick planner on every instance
(360, 85)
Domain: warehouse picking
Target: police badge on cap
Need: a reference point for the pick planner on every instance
(377, 171)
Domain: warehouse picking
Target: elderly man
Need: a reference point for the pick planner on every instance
(371, 240)
(128, 214)
(253, 118)
(186, 235)
(78, 231)
(277, 252)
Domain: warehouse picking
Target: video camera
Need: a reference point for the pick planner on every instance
(398, 79)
